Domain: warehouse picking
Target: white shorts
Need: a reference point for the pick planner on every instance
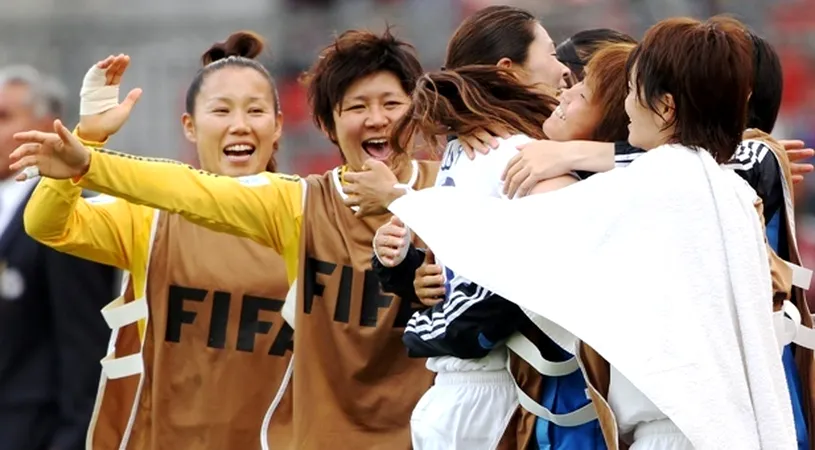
(464, 411)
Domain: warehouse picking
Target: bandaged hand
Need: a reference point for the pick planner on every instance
(391, 242)
(101, 114)
(429, 281)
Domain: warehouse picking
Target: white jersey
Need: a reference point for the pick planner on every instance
(481, 175)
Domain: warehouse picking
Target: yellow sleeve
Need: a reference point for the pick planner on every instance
(102, 229)
(266, 208)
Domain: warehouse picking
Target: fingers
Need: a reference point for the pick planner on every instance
(800, 154)
(792, 144)
(105, 63)
(467, 149)
(130, 101)
(351, 201)
(372, 164)
(430, 270)
(117, 69)
(797, 179)
(487, 139)
(390, 241)
(432, 294)
(350, 177)
(526, 187)
(801, 169)
(349, 188)
(25, 161)
(430, 301)
(65, 134)
(110, 73)
(479, 142)
(500, 132)
(512, 183)
(397, 222)
(33, 136)
(512, 166)
(29, 148)
(430, 259)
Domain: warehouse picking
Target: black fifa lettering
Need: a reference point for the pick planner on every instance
(176, 315)
(311, 287)
(219, 319)
(284, 341)
(342, 313)
(250, 323)
(373, 299)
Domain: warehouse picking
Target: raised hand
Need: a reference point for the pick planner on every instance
(101, 114)
(55, 155)
(797, 151)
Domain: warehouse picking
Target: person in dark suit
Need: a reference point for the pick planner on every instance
(52, 334)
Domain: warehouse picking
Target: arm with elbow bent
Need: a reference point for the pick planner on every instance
(544, 159)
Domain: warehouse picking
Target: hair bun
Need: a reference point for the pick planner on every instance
(246, 44)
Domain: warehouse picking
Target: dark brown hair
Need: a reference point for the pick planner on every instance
(708, 70)
(490, 34)
(239, 50)
(353, 55)
(605, 77)
(768, 86)
(576, 51)
(468, 98)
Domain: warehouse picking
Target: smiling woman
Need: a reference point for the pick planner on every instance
(233, 117)
(357, 96)
(232, 109)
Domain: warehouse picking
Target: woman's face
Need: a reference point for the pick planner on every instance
(365, 118)
(575, 118)
(235, 124)
(647, 129)
(542, 65)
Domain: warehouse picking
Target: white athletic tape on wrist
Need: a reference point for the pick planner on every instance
(31, 172)
(95, 97)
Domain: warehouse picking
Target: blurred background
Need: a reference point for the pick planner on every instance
(166, 38)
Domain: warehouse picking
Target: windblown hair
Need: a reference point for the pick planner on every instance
(605, 77)
(467, 98)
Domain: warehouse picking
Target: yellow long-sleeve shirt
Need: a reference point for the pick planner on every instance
(116, 232)
(267, 208)
(102, 229)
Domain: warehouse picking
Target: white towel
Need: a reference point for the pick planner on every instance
(661, 267)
